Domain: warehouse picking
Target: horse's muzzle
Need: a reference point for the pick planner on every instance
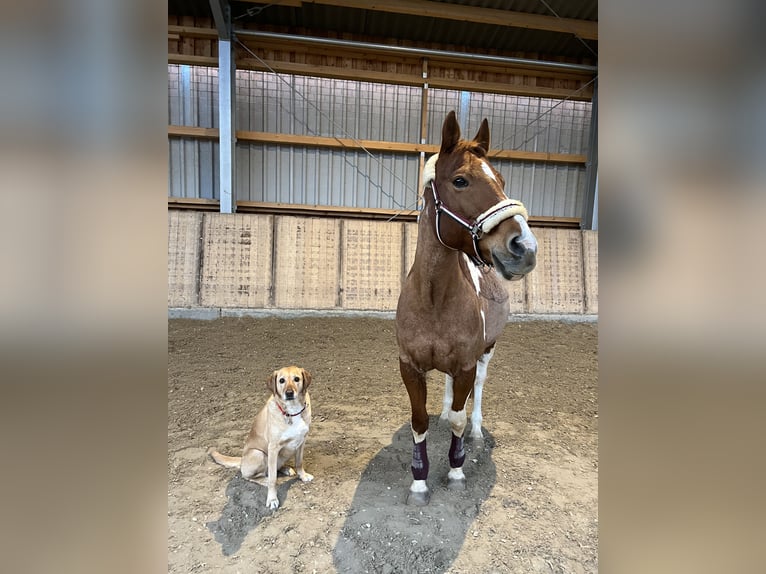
(514, 268)
(518, 256)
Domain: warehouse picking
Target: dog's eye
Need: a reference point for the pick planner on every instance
(296, 379)
(281, 380)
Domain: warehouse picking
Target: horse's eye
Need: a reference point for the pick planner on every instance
(281, 380)
(459, 182)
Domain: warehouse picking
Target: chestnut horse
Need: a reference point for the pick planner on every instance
(452, 307)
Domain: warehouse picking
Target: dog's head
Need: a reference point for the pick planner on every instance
(289, 383)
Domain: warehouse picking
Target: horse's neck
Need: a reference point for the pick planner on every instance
(437, 266)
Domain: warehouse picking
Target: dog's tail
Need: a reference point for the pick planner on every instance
(223, 460)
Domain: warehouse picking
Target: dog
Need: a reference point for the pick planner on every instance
(278, 433)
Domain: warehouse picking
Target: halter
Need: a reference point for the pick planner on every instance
(482, 225)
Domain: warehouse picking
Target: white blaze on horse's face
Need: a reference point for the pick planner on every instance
(488, 170)
(527, 238)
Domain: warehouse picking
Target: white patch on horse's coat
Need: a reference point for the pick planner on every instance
(527, 238)
(478, 388)
(418, 438)
(419, 486)
(429, 171)
(447, 402)
(456, 474)
(457, 420)
(474, 271)
(488, 170)
(475, 278)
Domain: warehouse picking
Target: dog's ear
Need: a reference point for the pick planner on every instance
(271, 384)
(306, 379)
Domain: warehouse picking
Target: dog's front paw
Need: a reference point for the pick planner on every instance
(306, 477)
(272, 503)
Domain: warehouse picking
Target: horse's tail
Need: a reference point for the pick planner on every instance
(223, 460)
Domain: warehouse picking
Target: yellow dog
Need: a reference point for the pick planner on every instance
(278, 433)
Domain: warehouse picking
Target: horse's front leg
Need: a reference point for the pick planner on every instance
(447, 401)
(462, 385)
(415, 382)
(478, 388)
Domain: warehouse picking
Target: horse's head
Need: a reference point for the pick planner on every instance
(473, 214)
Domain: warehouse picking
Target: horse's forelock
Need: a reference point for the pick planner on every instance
(477, 150)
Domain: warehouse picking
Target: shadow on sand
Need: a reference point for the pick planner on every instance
(382, 534)
(245, 508)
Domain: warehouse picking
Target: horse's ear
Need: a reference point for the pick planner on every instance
(482, 136)
(450, 133)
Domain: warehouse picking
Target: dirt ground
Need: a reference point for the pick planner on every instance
(531, 499)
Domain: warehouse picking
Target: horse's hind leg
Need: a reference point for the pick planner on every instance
(462, 385)
(478, 391)
(415, 382)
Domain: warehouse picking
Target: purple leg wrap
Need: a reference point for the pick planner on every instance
(456, 452)
(419, 460)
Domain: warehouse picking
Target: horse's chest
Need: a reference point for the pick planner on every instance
(447, 342)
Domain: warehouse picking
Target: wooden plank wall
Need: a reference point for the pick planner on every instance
(264, 261)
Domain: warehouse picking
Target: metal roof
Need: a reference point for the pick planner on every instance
(372, 25)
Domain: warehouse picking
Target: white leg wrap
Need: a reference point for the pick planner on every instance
(455, 474)
(419, 486)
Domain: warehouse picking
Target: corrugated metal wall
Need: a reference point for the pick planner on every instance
(300, 105)
(312, 176)
(528, 124)
(193, 101)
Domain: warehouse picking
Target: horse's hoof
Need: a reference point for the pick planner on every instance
(456, 483)
(418, 498)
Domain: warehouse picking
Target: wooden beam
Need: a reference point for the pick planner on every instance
(371, 145)
(510, 89)
(412, 79)
(290, 3)
(331, 72)
(193, 132)
(193, 32)
(389, 78)
(585, 29)
(341, 211)
(338, 143)
(193, 60)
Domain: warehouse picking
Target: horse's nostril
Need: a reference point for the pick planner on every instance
(516, 247)
(522, 247)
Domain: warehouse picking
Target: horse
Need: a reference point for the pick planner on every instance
(453, 306)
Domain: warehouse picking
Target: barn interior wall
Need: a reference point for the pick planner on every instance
(258, 261)
(338, 108)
